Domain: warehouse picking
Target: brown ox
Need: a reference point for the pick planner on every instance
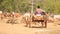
(16, 15)
(8, 15)
(32, 18)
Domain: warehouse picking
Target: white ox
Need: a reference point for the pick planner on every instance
(56, 16)
(27, 19)
(57, 19)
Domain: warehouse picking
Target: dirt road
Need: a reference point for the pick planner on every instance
(6, 28)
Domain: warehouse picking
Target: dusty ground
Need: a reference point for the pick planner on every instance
(6, 28)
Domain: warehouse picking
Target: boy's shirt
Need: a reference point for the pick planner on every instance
(39, 12)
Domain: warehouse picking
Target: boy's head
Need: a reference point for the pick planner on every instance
(38, 6)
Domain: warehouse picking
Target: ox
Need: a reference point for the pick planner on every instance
(16, 15)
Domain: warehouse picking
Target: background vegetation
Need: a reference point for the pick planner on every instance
(22, 6)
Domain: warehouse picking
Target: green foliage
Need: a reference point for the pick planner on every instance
(52, 6)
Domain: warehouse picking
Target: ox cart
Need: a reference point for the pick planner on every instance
(40, 19)
(34, 18)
